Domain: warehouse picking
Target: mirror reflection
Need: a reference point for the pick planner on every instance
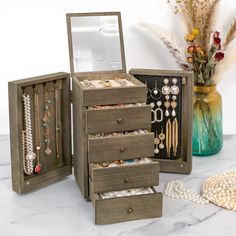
(96, 43)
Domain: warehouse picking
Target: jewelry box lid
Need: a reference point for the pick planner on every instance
(96, 43)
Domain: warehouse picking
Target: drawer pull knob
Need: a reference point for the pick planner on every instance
(127, 179)
(130, 210)
(119, 120)
(122, 149)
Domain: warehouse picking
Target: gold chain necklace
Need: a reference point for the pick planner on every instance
(38, 167)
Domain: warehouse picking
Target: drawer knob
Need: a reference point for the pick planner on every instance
(119, 120)
(130, 210)
(122, 149)
(127, 179)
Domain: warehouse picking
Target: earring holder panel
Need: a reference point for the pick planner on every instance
(183, 163)
(52, 169)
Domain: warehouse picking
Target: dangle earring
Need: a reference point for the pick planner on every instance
(174, 88)
(162, 138)
(152, 104)
(156, 142)
(159, 103)
(167, 105)
(165, 89)
(173, 105)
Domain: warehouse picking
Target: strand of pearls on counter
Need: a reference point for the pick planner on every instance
(219, 190)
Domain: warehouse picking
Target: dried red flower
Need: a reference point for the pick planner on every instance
(216, 34)
(217, 41)
(219, 56)
(191, 49)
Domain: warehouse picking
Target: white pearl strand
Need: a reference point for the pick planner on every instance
(27, 138)
(219, 190)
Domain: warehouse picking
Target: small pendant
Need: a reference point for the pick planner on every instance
(48, 151)
(161, 146)
(38, 169)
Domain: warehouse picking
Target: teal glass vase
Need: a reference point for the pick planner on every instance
(207, 121)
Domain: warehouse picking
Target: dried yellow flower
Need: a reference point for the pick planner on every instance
(195, 32)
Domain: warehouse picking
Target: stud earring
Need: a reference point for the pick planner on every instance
(165, 89)
(173, 105)
(174, 88)
(167, 105)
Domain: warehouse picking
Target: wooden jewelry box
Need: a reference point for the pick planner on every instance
(170, 95)
(112, 141)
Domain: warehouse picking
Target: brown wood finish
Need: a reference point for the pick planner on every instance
(107, 96)
(184, 164)
(80, 141)
(120, 148)
(123, 177)
(118, 14)
(121, 209)
(118, 119)
(52, 170)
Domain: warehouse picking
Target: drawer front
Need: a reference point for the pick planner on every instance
(120, 209)
(109, 95)
(114, 96)
(120, 148)
(118, 119)
(123, 177)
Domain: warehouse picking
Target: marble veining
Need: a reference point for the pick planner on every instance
(60, 209)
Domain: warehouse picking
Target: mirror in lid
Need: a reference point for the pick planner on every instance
(97, 60)
(96, 42)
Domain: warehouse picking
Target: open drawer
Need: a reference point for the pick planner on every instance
(120, 147)
(117, 118)
(105, 179)
(135, 207)
(134, 92)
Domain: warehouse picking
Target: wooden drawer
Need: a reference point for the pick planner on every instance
(120, 148)
(120, 209)
(118, 119)
(123, 177)
(107, 96)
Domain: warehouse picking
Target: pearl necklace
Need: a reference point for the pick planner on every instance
(219, 190)
(27, 138)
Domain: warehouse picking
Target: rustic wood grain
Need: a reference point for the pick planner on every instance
(107, 120)
(120, 148)
(123, 177)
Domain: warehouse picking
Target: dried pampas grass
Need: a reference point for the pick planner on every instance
(171, 43)
(231, 35)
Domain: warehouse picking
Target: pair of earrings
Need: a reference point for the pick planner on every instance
(174, 90)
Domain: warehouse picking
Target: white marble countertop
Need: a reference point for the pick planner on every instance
(60, 209)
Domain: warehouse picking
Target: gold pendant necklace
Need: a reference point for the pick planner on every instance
(46, 123)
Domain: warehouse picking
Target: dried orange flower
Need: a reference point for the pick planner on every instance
(190, 59)
(189, 37)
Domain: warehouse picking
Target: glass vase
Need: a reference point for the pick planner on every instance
(207, 121)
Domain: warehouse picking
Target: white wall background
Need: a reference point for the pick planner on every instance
(33, 41)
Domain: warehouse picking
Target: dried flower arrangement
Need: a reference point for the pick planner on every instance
(205, 51)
